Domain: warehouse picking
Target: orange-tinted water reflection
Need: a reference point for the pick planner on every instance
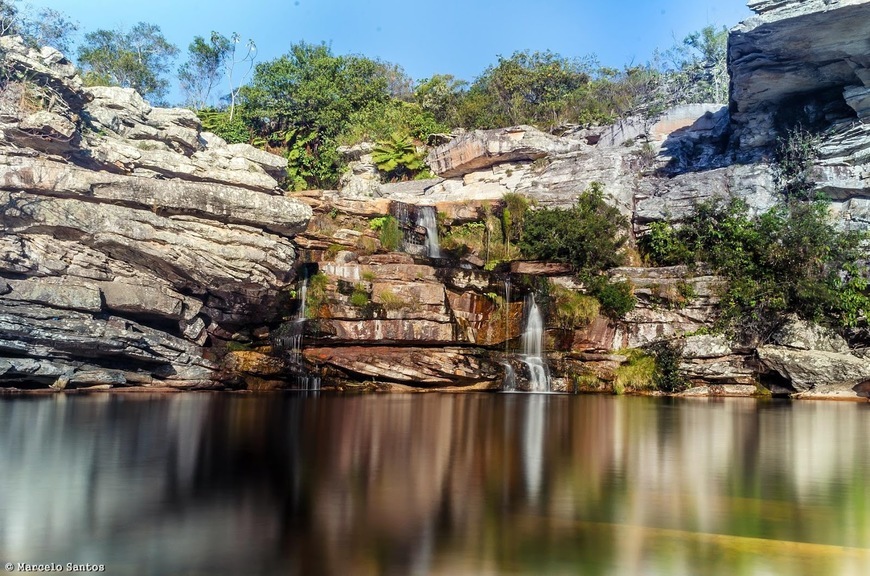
(435, 484)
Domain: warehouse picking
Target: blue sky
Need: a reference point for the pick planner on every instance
(459, 37)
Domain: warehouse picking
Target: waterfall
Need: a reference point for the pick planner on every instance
(510, 378)
(533, 347)
(507, 314)
(426, 218)
(292, 341)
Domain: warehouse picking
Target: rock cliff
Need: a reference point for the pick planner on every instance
(133, 245)
(139, 250)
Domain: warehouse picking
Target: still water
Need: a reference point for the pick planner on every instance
(435, 484)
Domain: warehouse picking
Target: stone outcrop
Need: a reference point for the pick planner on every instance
(133, 244)
(805, 57)
(481, 149)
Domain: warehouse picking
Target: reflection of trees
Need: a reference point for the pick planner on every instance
(438, 484)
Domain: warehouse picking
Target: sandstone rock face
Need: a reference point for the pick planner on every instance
(483, 148)
(132, 243)
(797, 53)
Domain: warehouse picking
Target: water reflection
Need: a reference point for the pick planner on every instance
(432, 484)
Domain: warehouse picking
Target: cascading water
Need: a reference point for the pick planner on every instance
(292, 342)
(426, 218)
(510, 378)
(533, 347)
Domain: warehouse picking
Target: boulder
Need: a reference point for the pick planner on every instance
(481, 149)
(806, 369)
(802, 335)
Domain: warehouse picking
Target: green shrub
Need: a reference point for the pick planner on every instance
(790, 259)
(392, 301)
(589, 236)
(234, 131)
(359, 298)
(616, 298)
(663, 245)
(397, 157)
(317, 295)
(513, 215)
(668, 354)
(391, 234)
(637, 374)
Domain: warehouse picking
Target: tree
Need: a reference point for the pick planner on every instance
(204, 68)
(304, 100)
(45, 27)
(441, 95)
(48, 27)
(8, 17)
(230, 64)
(528, 87)
(136, 59)
(697, 71)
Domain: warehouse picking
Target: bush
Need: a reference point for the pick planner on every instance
(667, 377)
(616, 298)
(637, 374)
(359, 298)
(234, 131)
(316, 296)
(589, 236)
(790, 259)
(391, 234)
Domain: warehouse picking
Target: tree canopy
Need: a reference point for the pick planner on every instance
(138, 58)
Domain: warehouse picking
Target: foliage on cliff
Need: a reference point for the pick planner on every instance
(590, 235)
(791, 259)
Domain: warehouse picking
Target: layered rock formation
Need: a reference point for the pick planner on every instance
(133, 244)
(135, 247)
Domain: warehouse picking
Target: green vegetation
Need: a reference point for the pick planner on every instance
(137, 58)
(204, 68)
(638, 373)
(391, 234)
(316, 296)
(791, 259)
(616, 298)
(359, 298)
(398, 158)
(657, 367)
(392, 301)
(589, 236)
(571, 309)
(42, 27)
(668, 355)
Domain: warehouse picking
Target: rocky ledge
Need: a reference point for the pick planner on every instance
(134, 245)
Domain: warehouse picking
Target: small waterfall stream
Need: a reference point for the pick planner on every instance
(426, 218)
(292, 341)
(533, 347)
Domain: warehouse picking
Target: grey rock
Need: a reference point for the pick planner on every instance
(56, 294)
(212, 201)
(805, 369)
(483, 148)
(802, 335)
(49, 125)
(770, 66)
